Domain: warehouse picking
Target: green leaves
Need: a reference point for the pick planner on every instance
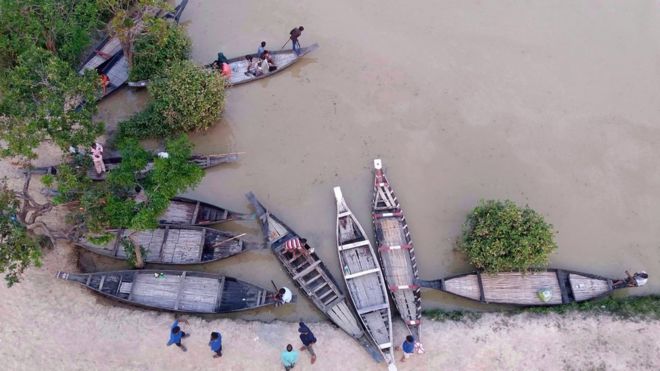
(500, 236)
(41, 99)
(162, 45)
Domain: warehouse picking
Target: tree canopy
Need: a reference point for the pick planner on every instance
(41, 99)
(500, 236)
(163, 44)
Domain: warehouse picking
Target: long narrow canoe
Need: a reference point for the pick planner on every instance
(282, 59)
(177, 291)
(173, 244)
(192, 212)
(396, 251)
(203, 161)
(311, 276)
(522, 288)
(364, 278)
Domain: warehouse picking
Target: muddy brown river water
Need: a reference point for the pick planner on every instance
(554, 105)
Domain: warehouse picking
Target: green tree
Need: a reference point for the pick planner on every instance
(500, 236)
(163, 44)
(61, 26)
(128, 21)
(116, 202)
(41, 99)
(189, 98)
(19, 249)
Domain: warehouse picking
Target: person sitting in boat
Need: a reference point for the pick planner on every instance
(252, 66)
(226, 71)
(105, 81)
(295, 247)
(269, 58)
(283, 296)
(633, 280)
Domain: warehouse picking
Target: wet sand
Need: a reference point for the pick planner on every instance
(551, 105)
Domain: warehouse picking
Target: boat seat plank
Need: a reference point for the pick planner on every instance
(353, 245)
(373, 308)
(360, 274)
(178, 297)
(306, 270)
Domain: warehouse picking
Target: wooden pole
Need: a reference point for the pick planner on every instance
(229, 239)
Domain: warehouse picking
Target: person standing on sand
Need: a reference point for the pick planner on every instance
(308, 339)
(216, 344)
(176, 335)
(408, 347)
(294, 35)
(289, 357)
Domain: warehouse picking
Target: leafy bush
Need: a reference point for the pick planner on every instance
(500, 236)
(18, 248)
(41, 99)
(186, 98)
(61, 26)
(163, 44)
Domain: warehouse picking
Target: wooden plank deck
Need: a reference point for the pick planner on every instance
(467, 286)
(156, 291)
(183, 246)
(199, 294)
(178, 212)
(585, 288)
(520, 288)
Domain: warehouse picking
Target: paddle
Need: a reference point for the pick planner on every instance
(274, 285)
(285, 44)
(229, 239)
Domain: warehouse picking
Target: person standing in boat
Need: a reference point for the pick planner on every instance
(308, 339)
(216, 344)
(261, 49)
(289, 357)
(176, 335)
(294, 35)
(97, 158)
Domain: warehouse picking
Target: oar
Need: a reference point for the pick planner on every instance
(285, 43)
(274, 285)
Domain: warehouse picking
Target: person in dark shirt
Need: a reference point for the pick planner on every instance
(260, 49)
(294, 35)
(216, 344)
(176, 335)
(308, 339)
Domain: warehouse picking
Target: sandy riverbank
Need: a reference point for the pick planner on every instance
(55, 325)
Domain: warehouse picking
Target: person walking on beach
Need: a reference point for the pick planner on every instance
(408, 347)
(289, 357)
(294, 35)
(308, 339)
(176, 334)
(216, 344)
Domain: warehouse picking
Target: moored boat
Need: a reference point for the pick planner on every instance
(364, 279)
(310, 275)
(203, 161)
(177, 291)
(192, 212)
(396, 251)
(535, 288)
(173, 244)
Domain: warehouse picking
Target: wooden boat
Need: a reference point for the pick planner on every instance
(203, 161)
(171, 244)
(364, 278)
(396, 251)
(192, 212)
(311, 276)
(177, 291)
(522, 288)
(108, 57)
(282, 59)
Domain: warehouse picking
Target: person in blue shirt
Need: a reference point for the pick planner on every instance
(216, 344)
(176, 335)
(308, 339)
(261, 49)
(289, 357)
(408, 347)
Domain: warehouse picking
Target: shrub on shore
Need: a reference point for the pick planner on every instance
(500, 236)
(163, 44)
(186, 98)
